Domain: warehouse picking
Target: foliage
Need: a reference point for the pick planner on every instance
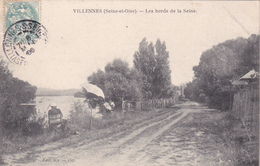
(219, 66)
(79, 116)
(118, 81)
(80, 119)
(13, 92)
(121, 81)
(193, 91)
(32, 128)
(153, 62)
(150, 77)
(35, 124)
(249, 58)
(98, 78)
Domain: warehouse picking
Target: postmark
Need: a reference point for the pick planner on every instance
(23, 39)
(17, 10)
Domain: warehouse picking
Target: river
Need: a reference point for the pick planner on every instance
(64, 103)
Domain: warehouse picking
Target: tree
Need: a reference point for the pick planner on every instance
(249, 58)
(118, 81)
(144, 62)
(220, 65)
(216, 70)
(193, 91)
(98, 78)
(153, 63)
(5, 75)
(13, 92)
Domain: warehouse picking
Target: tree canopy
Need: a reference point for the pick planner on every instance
(152, 61)
(220, 65)
(13, 92)
(149, 78)
(118, 81)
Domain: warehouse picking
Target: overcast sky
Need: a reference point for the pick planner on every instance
(79, 44)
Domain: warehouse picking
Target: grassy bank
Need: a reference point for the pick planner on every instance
(18, 142)
(220, 139)
(100, 127)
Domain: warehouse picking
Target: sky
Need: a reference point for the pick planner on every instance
(81, 43)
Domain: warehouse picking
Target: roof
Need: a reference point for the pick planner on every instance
(252, 74)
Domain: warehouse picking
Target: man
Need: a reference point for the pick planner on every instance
(54, 111)
(55, 117)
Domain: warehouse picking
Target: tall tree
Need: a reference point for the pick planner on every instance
(162, 75)
(153, 62)
(144, 62)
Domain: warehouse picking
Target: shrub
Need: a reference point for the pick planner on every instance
(35, 125)
(80, 116)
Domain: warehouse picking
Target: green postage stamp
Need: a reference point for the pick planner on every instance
(18, 10)
(24, 35)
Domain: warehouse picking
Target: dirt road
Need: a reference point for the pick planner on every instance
(169, 138)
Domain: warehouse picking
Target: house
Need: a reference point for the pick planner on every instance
(246, 79)
(252, 74)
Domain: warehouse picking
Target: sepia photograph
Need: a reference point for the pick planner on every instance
(129, 83)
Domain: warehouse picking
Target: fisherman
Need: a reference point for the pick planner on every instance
(55, 117)
(54, 110)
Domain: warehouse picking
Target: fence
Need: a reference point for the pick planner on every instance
(155, 103)
(246, 108)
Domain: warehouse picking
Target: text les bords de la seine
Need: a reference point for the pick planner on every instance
(134, 11)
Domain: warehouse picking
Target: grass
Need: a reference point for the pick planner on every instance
(236, 134)
(224, 140)
(18, 142)
(81, 119)
(223, 135)
(100, 127)
(84, 122)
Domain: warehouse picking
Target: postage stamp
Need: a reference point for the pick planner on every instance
(23, 32)
(22, 39)
(17, 10)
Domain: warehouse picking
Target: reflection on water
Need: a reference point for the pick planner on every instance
(64, 103)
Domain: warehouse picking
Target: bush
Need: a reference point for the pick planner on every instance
(13, 92)
(35, 125)
(81, 119)
(80, 116)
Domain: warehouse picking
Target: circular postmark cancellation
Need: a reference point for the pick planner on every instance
(23, 39)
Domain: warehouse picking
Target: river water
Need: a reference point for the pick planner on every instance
(64, 103)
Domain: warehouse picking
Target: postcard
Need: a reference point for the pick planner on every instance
(129, 82)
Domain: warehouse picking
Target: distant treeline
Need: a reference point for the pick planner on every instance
(55, 92)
